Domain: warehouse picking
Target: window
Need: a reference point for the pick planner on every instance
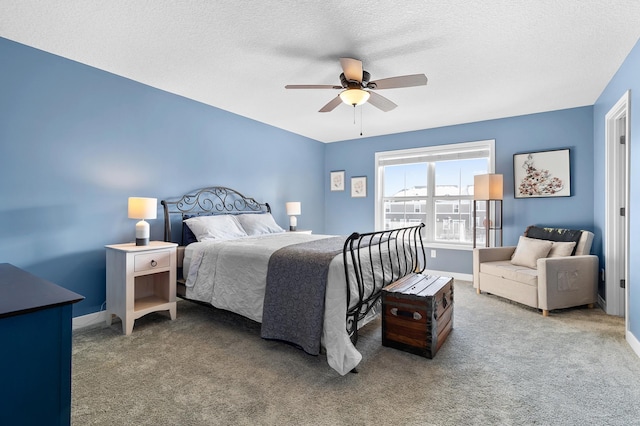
(433, 185)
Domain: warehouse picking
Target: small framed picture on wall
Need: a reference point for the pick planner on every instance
(359, 187)
(337, 180)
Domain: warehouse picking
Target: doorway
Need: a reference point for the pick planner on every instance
(616, 213)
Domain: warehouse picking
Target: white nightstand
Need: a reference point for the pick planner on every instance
(140, 280)
(303, 231)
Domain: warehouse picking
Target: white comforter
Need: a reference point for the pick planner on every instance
(232, 275)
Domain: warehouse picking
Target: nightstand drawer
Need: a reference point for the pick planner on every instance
(151, 261)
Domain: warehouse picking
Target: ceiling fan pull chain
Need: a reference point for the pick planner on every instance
(354, 114)
(360, 121)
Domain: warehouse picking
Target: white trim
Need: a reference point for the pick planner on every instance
(88, 320)
(633, 342)
(602, 303)
(454, 275)
(613, 201)
(444, 246)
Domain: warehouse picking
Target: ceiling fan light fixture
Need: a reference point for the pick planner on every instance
(354, 96)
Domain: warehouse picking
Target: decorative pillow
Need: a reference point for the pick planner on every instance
(554, 234)
(187, 234)
(258, 223)
(560, 249)
(218, 227)
(529, 250)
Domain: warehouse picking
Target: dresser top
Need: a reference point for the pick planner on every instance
(22, 292)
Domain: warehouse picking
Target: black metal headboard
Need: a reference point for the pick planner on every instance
(208, 201)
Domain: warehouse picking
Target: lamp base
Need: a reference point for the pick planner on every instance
(142, 233)
(292, 228)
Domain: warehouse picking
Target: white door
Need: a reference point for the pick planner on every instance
(617, 196)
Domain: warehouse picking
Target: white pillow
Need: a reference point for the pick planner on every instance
(529, 250)
(258, 223)
(562, 249)
(218, 227)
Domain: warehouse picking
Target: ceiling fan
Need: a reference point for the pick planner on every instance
(357, 89)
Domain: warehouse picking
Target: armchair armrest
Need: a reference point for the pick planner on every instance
(567, 281)
(489, 254)
(492, 254)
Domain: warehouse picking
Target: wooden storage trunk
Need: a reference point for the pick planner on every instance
(417, 313)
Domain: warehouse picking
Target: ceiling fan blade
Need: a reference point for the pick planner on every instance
(381, 102)
(311, 86)
(400, 81)
(333, 103)
(352, 69)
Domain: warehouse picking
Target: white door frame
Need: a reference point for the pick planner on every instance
(617, 197)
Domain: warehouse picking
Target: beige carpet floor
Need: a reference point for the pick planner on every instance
(503, 364)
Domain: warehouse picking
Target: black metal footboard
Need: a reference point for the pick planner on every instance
(375, 260)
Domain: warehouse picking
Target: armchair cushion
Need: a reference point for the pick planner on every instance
(555, 234)
(509, 271)
(561, 249)
(529, 250)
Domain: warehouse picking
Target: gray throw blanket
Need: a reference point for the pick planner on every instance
(293, 308)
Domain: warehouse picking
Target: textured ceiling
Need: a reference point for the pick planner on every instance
(484, 59)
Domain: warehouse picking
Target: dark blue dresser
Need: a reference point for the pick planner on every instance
(35, 349)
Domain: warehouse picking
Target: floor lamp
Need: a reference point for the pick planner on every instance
(488, 188)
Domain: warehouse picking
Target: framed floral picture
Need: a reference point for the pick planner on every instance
(337, 180)
(542, 174)
(359, 186)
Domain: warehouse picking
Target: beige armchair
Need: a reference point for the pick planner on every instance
(538, 272)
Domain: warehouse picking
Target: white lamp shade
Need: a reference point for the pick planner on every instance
(487, 187)
(143, 208)
(293, 208)
(354, 96)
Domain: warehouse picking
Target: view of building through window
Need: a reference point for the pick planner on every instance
(436, 190)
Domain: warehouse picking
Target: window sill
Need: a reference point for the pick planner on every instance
(444, 246)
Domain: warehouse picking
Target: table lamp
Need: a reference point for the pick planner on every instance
(293, 210)
(142, 208)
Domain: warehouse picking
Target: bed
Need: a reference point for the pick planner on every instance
(314, 291)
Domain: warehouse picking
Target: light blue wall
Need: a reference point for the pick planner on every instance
(570, 128)
(76, 142)
(627, 78)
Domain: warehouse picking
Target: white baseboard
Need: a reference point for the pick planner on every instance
(454, 275)
(88, 320)
(633, 342)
